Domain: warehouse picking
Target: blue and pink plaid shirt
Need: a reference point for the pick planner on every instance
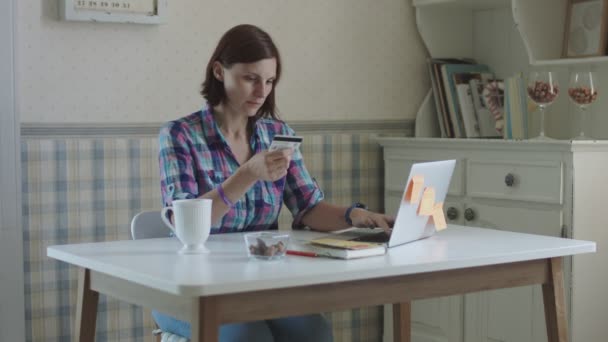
(194, 158)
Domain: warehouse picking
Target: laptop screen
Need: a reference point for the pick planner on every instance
(430, 182)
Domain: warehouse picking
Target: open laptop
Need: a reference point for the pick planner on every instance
(409, 226)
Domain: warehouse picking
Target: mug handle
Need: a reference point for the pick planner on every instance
(163, 215)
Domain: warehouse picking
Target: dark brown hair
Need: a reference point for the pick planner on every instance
(241, 44)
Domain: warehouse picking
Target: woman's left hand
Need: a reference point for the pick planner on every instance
(368, 219)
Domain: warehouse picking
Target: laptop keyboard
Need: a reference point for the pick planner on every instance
(381, 237)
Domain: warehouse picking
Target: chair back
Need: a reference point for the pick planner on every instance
(149, 225)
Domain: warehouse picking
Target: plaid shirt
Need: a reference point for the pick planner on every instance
(194, 158)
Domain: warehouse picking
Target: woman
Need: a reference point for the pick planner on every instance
(221, 153)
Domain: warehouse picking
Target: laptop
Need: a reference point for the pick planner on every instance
(409, 226)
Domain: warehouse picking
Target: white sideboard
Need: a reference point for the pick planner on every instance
(552, 188)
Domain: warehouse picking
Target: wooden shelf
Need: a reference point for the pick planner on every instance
(544, 39)
(447, 29)
(473, 4)
(570, 61)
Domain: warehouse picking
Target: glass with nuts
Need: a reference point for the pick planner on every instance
(583, 92)
(267, 245)
(543, 90)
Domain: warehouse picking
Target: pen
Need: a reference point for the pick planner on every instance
(302, 253)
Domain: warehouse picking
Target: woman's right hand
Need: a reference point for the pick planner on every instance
(269, 166)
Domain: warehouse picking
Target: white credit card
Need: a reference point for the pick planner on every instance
(280, 142)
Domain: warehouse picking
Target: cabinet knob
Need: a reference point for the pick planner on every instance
(469, 214)
(509, 179)
(452, 213)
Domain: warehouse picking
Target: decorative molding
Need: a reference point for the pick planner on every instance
(494, 145)
(36, 130)
(50, 130)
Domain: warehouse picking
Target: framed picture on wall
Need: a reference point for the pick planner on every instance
(116, 11)
(586, 28)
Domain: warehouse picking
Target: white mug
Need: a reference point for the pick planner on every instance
(192, 219)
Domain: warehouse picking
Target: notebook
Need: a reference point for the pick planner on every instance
(409, 225)
(342, 249)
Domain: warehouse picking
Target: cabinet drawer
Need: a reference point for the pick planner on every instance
(515, 180)
(516, 218)
(397, 170)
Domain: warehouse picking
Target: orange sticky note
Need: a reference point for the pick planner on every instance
(413, 189)
(438, 218)
(427, 203)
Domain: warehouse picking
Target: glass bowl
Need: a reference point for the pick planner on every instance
(266, 245)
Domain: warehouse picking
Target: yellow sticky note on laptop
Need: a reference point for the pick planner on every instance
(427, 203)
(412, 194)
(438, 218)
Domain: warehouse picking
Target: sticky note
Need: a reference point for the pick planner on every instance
(427, 203)
(438, 218)
(412, 194)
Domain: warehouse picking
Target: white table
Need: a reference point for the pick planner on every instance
(225, 286)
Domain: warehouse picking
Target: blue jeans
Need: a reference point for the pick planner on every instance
(294, 329)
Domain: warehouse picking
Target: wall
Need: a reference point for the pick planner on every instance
(95, 93)
(344, 59)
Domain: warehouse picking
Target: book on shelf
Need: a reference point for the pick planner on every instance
(443, 126)
(454, 74)
(506, 114)
(442, 112)
(438, 88)
(465, 100)
(340, 248)
(516, 108)
(466, 106)
(485, 119)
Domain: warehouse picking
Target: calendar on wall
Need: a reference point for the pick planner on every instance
(118, 11)
(133, 6)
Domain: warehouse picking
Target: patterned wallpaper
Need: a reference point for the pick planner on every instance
(343, 59)
(83, 189)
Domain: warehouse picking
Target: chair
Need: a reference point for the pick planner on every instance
(149, 225)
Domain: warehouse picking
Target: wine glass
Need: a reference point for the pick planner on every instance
(542, 90)
(582, 92)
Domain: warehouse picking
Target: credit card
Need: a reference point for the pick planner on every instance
(280, 142)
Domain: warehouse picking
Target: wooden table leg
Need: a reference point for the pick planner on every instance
(555, 308)
(402, 321)
(205, 323)
(86, 309)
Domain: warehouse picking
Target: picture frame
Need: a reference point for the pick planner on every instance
(115, 11)
(586, 28)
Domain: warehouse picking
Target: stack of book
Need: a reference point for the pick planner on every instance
(457, 91)
(517, 108)
(337, 248)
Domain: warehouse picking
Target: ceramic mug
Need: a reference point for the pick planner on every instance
(192, 219)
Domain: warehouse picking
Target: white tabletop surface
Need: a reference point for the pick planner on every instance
(227, 269)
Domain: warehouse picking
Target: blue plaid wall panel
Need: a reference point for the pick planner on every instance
(88, 189)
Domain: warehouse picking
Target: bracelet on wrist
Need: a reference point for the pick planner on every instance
(225, 199)
(349, 211)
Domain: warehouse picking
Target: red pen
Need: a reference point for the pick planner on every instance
(302, 253)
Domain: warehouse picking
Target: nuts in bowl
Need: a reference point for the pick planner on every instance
(267, 245)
